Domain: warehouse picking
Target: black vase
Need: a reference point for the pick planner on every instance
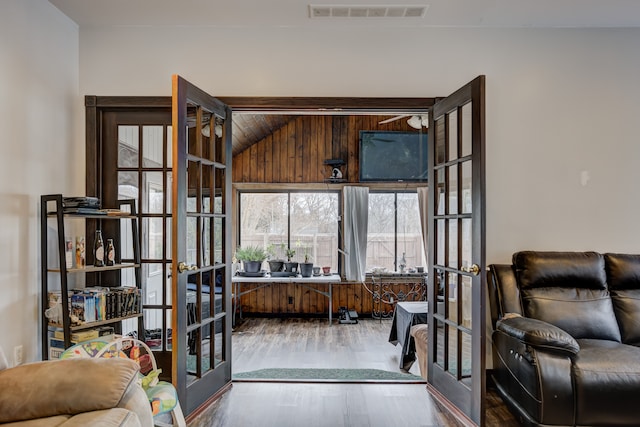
(252, 266)
(276, 266)
(291, 267)
(306, 269)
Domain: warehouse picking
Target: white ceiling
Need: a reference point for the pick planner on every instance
(295, 13)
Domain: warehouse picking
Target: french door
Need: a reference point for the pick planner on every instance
(457, 277)
(201, 239)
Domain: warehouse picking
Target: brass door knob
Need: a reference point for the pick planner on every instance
(182, 267)
(474, 269)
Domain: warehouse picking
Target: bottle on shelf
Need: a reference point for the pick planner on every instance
(111, 253)
(98, 250)
(403, 263)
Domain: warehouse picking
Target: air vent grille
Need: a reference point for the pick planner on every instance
(361, 11)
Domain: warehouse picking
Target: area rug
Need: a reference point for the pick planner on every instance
(326, 375)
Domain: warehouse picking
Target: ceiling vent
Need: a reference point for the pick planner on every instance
(362, 11)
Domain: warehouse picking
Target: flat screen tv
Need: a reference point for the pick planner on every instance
(393, 156)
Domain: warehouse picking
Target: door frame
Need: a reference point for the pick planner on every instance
(94, 105)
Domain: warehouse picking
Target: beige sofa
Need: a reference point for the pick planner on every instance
(73, 393)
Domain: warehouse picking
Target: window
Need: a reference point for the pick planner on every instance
(306, 222)
(394, 230)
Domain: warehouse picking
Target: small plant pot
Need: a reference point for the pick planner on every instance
(291, 267)
(276, 266)
(306, 269)
(252, 266)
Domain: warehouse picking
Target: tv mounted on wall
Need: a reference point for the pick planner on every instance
(393, 156)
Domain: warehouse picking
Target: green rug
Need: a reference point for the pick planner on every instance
(326, 375)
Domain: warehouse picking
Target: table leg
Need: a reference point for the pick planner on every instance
(330, 304)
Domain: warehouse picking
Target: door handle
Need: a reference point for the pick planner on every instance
(182, 267)
(474, 269)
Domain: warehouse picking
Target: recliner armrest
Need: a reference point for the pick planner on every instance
(538, 334)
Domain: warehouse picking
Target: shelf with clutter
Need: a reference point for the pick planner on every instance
(71, 305)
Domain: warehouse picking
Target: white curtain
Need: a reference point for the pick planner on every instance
(422, 207)
(356, 219)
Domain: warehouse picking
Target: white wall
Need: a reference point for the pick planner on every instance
(559, 102)
(42, 152)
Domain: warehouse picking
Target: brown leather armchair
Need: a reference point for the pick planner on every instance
(566, 337)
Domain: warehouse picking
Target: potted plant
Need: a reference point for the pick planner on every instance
(290, 266)
(306, 267)
(276, 264)
(252, 258)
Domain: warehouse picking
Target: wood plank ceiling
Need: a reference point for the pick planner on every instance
(248, 128)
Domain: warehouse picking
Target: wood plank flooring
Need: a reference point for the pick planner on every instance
(312, 343)
(298, 343)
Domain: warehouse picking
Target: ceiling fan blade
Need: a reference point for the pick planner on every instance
(393, 119)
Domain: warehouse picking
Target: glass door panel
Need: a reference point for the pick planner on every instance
(456, 250)
(201, 240)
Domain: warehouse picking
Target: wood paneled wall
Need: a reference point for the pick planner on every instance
(296, 152)
(290, 298)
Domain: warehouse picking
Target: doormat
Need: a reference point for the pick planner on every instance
(326, 375)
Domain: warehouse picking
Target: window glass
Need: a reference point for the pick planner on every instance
(314, 228)
(394, 234)
(306, 222)
(381, 251)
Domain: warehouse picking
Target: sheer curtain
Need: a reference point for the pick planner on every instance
(356, 217)
(422, 207)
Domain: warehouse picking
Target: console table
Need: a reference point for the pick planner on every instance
(390, 288)
(238, 282)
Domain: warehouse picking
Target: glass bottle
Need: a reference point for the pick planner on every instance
(403, 262)
(111, 253)
(98, 250)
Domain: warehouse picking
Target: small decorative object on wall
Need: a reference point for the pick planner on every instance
(336, 172)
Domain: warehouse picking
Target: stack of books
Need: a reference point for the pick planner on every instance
(81, 205)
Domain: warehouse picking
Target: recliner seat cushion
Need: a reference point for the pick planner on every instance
(607, 379)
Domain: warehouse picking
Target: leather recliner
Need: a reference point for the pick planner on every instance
(566, 337)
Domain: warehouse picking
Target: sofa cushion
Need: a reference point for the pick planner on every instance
(623, 278)
(568, 290)
(626, 304)
(115, 417)
(64, 387)
(607, 380)
(583, 313)
(623, 271)
(55, 421)
(560, 269)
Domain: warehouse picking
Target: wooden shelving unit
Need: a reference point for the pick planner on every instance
(52, 209)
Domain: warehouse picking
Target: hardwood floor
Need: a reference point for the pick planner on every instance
(312, 343)
(298, 343)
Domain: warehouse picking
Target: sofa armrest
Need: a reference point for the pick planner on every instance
(538, 334)
(61, 387)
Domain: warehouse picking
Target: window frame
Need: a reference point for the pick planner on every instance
(395, 193)
(289, 191)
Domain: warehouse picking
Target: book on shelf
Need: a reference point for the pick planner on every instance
(88, 334)
(95, 304)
